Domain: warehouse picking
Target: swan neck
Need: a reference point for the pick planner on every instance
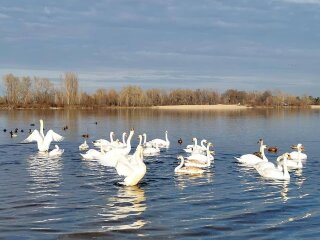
(111, 137)
(195, 142)
(167, 140)
(262, 153)
(123, 138)
(180, 165)
(41, 128)
(129, 141)
(285, 168)
(145, 138)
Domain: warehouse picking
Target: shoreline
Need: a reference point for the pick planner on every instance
(203, 107)
(315, 106)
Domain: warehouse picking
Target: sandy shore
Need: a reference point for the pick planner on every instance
(315, 106)
(202, 107)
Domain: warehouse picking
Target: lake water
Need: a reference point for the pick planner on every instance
(70, 198)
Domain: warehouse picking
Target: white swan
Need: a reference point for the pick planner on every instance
(93, 154)
(110, 158)
(145, 143)
(273, 172)
(295, 155)
(251, 159)
(84, 146)
(122, 144)
(291, 163)
(149, 150)
(56, 152)
(196, 163)
(189, 147)
(43, 141)
(201, 157)
(160, 143)
(187, 170)
(133, 171)
(196, 148)
(99, 142)
(195, 143)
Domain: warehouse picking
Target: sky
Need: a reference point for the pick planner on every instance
(250, 45)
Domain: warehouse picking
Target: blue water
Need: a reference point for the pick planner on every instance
(70, 198)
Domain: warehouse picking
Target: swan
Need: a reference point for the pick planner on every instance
(295, 155)
(191, 146)
(291, 164)
(94, 154)
(187, 170)
(84, 146)
(43, 141)
(99, 142)
(251, 159)
(145, 143)
(133, 171)
(272, 172)
(201, 157)
(56, 152)
(149, 150)
(123, 143)
(160, 143)
(110, 158)
(196, 148)
(196, 163)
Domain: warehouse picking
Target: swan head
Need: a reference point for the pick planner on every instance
(260, 141)
(298, 146)
(180, 157)
(284, 156)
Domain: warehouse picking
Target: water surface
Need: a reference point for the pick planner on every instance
(70, 198)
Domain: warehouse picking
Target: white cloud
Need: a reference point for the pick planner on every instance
(303, 1)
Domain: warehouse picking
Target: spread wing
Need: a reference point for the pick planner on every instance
(34, 137)
(123, 167)
(52, 136)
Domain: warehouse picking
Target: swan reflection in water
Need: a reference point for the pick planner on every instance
(123, 211)
(45, 173)
(187, 180)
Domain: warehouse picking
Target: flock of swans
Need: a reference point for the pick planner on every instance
(116, 154)
(267, 169)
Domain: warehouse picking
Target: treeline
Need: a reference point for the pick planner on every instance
(36, 92)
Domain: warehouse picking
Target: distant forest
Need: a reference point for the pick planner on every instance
(37, 92)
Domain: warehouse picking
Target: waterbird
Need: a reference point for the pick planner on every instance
(43, 141)
(187, 170)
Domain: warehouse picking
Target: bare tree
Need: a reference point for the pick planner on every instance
(12, 88)
(25, 91)
(71, 88)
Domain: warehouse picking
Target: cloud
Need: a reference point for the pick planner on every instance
(315, 2)
(3, 16)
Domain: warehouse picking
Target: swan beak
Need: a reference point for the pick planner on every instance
(212, 152)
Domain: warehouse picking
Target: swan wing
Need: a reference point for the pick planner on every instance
(35, 136)
(111, 158)
(123, 167)
(52, 136)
